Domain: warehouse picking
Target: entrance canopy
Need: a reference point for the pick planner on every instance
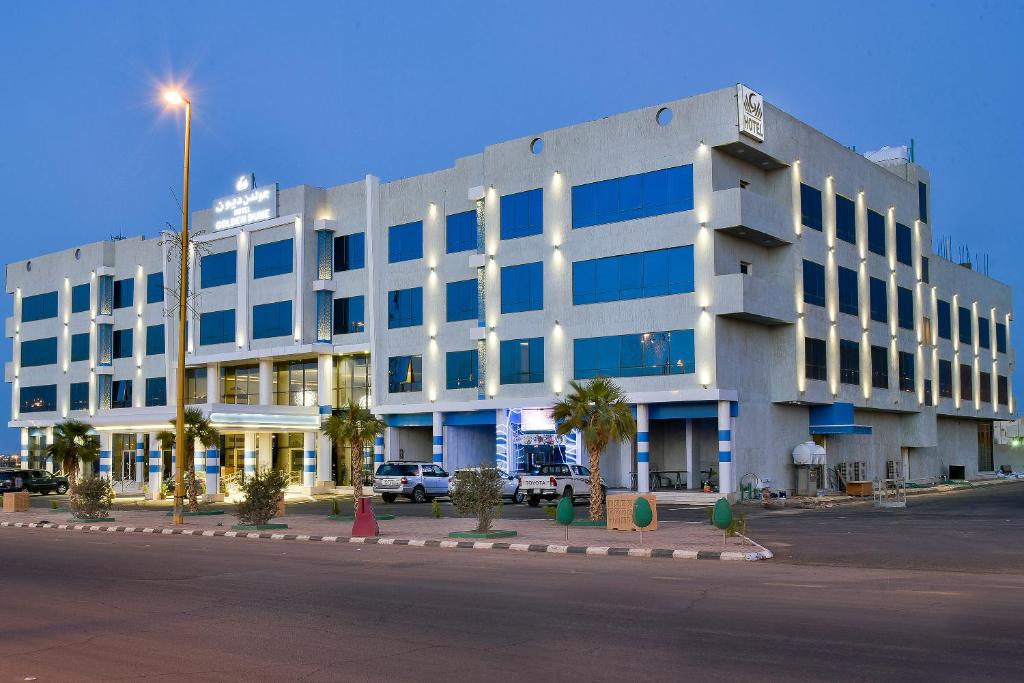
(836, 418)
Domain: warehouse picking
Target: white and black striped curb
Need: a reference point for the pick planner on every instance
(667, 553)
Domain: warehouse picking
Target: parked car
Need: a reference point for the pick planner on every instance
(510, 484)
(549, 482)
(417, 481)
(33, 481)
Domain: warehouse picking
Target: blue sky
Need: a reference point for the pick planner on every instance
(323, 93)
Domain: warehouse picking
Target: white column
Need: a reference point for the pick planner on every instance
(213, 383)
(725, 442)
(643, 450)
(199, 458)
(309, 459)
(691, 466)
(140, 458)
(378, 449)
(156, 467)
(48, 441)
(24, 448)
(265, 452)
(106, 456)
(325, 453)
(249, 448)
(437, 428)
(325, 398)
(212, 473)
(266, 382)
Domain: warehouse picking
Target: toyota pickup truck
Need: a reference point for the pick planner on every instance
(549, 482)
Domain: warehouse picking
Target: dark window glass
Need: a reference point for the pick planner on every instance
(633, 276)
(405, 242)
(272, 258)
(272, 320)
(460, 232)
(123, 343)
(905, 308)
(634, 355)
(124, 292)
(522, 287)
(984, 333)
(876, 232)
(121, 394)
(154, 288)
(79, 396)
(963, 323)
(218, 269)
(879, 300)
(846, 220)
(944, 319)
(814, 283)
(522, 361)
(349, 315)
(1003, 388)
(925, 275)
(80, 347)
(217, 327)
(154, 339)
(1001, 337)
(904, 245)
(879, 367)
(405, 307)
(38, 352)
(405, 374)
(906, 366)
(966, 384)
(156, 391)
(945, 379)
(922, 202)
(654, 193)
(849, 362)
(985, 386)
(80, 298)
(461, 369)
(349, 252)
(815, 365)
(39, 307)
(295, 383)
(461, 300)
(522, 214)
(810, 207)
(195, 385)
(240, 384)
(848, 299)
(38, 399)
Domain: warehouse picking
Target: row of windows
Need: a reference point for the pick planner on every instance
(44, 306)
(878, 291)
(846, 224)
(272, 258)
(633, 276)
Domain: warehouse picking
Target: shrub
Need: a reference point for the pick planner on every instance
(263, 492)
(92, 498)
(335, 507)
(435, 509)
(478, 493)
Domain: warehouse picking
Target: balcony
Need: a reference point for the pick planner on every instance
(746, 297)
(751, 216)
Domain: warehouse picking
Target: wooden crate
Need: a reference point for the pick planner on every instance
(861, 489)
(620, 511)
(16, 502)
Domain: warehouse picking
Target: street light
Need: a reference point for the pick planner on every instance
(176, 98)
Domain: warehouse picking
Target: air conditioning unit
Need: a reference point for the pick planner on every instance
(892, 469)
(842, 471)
(858, 470)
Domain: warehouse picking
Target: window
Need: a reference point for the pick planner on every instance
(634, 355)
(846, 220)
(810, 207)
(219, 269)
(966, 385)
(879, 292)
(984, 333)
(272, 320)
(39, 307)
(925, 276)
(461, 300)
(405, 307)
(39, 352)
(272, 258)
(154, 339)
(522, 214)
(121, 396)
(195, 385)
(405, 374)
(876, 232)
(123, 343)
(926, 332)
(745, 268)
(1001, 337)
(848, 299)
(154, 288)
(815, 365)
(922, 202)
(349, 252)
(905, 308)
(633, 276)
(943, 320)
(814, 283)
(460, 232)
(405, 242)
(1003, 389)
(351, 380)
(461, 369)
(79, 396)
(655, 193)
(295, 383)
(349, 315)
(80, 298)
(879, 367)
(38, 399)
(156, 391)
(124, 292)
(985, 386)
(217, 327)
(80, 347)
(522, 287)
(906, 367)
(849, 362)
(522, 361)
(963, 323)
(904, 245)
(240, 384)
(945, 379)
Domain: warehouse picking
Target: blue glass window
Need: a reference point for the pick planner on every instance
(879, 367)
(39, 307)
(984, 338)
(522, 214)
(522, 361)
(123, 343)
(945, 319)
(810, 207)
(38, 399)
(925, 276)
(815, 359)
(849, 362)
(272, 258)
(154, 288)
(634, 355)
(904, 245)
(124, 293)
(154, 339)
(39, 352)
(849, 301)
(405, 307)
(876, 232)
(846, 220)
(963, 322)
(156, 391)
(461, 300)
(633, 276)
(522, 287)
(79, 396)
(217, 327)
(80, 298)
(945, 378)
(349, 315)
(879, 292)
(405, 242)
(220, 269)
(906, 369)
(814, 283)
(655, 193)
(121, 396)
(349, 252)
(272, 320)
(922, 202)
(460, 232)
(905, 308)
(405, 374)
(79, 347)
(461, 369)
(1001, 337)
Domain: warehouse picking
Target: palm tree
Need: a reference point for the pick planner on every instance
(599, 411)
(72, 441)
(197, 427)
(356, 427)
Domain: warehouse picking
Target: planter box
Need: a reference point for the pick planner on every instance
(620, 511)
(861, 489)
(16, 502)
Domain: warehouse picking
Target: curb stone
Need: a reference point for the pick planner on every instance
(761, 553)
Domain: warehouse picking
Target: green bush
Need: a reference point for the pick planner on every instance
(435, 509)
(263, 492)
(478, 493)
(335, 507)
(91, 498)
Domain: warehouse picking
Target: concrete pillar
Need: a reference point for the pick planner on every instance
(691, 466)
(264, 451)
(309, 459)
(325, 382)
(212, 474)
(725, 478)
(249, 448)
(140, 459)
(106, 454)
(213, 382)
(199, 457)
(156, 467)
(643, 449)
(174, 462)
(378, 449)
(48, 441)
(23, 455)
(266, 382)
(437, 426)
(324, 456)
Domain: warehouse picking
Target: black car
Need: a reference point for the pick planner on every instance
(33, 481)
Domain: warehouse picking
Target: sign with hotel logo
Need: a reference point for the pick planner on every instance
(251, 205)
(750, 108)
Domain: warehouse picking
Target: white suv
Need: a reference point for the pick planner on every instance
(417, 481)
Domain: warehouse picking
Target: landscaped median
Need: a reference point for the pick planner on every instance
(675, 540)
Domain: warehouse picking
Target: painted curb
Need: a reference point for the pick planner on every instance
(761, 553)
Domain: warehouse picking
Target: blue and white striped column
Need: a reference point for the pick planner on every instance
(174, 462)
(140, 459)
(309, 459)
(249, 453)
(106, 454)
(23, 460)
(643, 450)
(212, 472)
(378, 450)
(437, 426)
(199, 458)
(725, 482)
(156, 467)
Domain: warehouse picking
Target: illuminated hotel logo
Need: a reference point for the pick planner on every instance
(251, 205)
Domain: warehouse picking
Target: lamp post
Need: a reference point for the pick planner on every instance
(177, 99)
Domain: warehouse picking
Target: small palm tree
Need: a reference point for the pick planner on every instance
(197, 427)
(599, 411)
(72, 441)
(356, 427)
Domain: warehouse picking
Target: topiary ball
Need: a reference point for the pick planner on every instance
(721, 516)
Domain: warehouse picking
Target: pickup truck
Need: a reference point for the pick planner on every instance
(549, 482)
